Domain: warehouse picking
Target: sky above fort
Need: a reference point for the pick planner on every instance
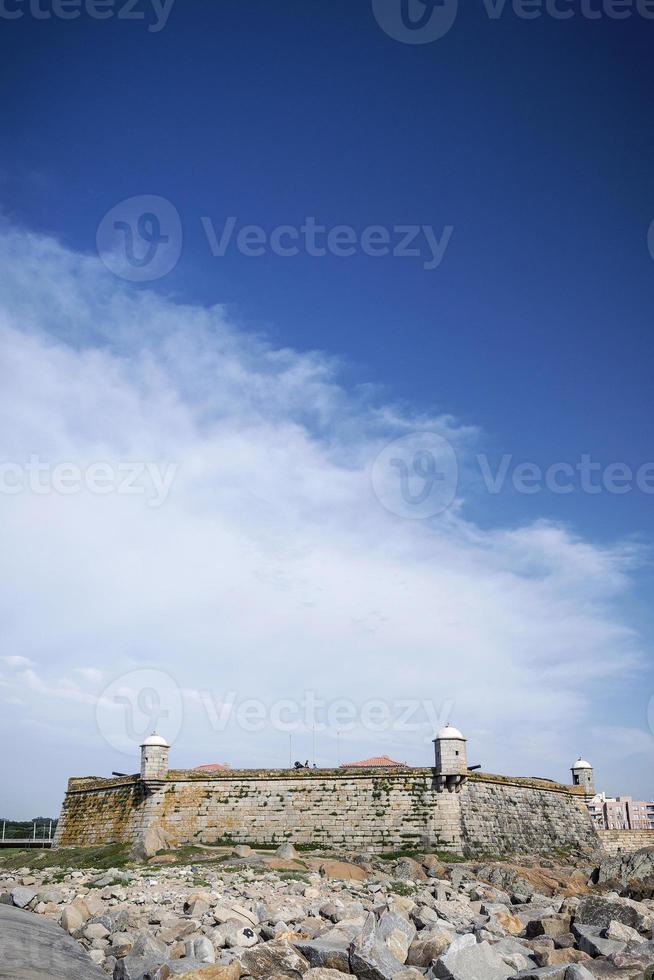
(325, 386)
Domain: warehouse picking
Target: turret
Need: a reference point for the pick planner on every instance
(582, 775)
(451, 758)
(154, 759)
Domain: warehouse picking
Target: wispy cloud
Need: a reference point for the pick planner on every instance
(271, 568)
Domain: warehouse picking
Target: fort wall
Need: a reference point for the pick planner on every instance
(376, 809)
(626, 841)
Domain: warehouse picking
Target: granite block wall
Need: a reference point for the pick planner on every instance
(489, 815)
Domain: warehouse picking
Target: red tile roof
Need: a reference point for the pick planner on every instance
(212, 767)
(376, 760)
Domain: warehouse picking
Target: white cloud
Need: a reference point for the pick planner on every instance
(16, 661)
(271, 569)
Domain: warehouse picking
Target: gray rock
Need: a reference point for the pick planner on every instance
(240, 936)
(466, 959)
(287, 852)
(626, 868)
(600, 911)
(325, 955)
(622, 933)
(21, 896)
(145, 958)
(543, 973)
(578, 972)
(274, 957)
(370, 958)
(35, 948)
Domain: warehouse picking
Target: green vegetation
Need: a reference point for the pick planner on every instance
(403, 888)
(15, 829)
(103, 858)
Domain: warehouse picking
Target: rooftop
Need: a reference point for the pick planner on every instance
(375, 761)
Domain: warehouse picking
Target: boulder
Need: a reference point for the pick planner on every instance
(72, 919)
(622, 933)
(325, 955)
(186, 969)
(509, 923)
(407, 869)
(147, 844)
(21, 896)
(35, 948)
(370, 958)
(321, 973)
(242, 936)
(466, 959)
(601, 910)
(145, 957)
(287, 852)
(274, 957)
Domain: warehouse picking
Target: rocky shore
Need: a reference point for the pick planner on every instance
(249, 914)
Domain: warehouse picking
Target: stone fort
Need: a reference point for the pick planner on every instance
(446, 806)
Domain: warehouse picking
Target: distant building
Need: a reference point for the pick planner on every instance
(377, 761)
(621, 813)
(212, 767)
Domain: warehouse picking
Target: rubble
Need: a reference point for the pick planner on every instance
(403, 919)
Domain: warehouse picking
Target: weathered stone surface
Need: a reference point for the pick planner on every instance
(625, 868)
(22, 896)
(510, 923)
(600, 911)
(146, 956)
(320, 973)
(428, 946)
(274, 957)
(325, 955)
(33, 948)
(287, 852)
(468, 960)
(622, 933)
(72, 919)
(370, 958)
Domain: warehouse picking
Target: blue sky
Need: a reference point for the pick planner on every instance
(531, 140)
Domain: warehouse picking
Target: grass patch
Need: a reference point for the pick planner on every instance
(403, 888)
(102, 858)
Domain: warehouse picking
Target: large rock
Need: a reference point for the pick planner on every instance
(287, 852)
(627, 868)
(428, 946)
(192, 970)
(466, 959)
(145, 957)
(274, 957)
(370, 958)
(147, 844)
(34, 948)
(22, 896)
(600, 911)
(325, 955)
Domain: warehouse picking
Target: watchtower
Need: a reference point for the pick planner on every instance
(451, 758)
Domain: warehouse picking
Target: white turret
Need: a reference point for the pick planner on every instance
(154, 758)
(451, 758)
(582, 775)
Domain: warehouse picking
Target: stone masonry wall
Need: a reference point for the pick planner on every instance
(367, 809)
(100, 811)
(501, 815)
(615, 841)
